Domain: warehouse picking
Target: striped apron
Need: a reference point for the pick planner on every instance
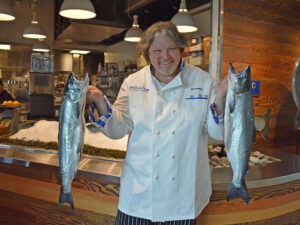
(124, 219)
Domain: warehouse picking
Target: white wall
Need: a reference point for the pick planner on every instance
(121, 51)
(203, 22)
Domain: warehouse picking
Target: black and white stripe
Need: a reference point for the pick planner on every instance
(124, 219)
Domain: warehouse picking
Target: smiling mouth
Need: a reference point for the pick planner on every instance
(166, 63)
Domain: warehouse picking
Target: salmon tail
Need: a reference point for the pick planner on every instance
(264, 131)
(65, 197)
(238, 192)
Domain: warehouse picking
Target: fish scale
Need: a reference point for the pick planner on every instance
(239, 129)
(71, 134)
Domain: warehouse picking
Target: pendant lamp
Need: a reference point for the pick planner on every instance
(40, 46)
(81, 52)
(77, 9)
(34, 30)
(134, 33)
(4, 46)
(6, 12)
(183, 20)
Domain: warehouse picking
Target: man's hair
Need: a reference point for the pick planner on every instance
(1, 83)
(167, 28)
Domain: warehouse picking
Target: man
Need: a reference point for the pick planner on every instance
(169, 108)
(4, 95)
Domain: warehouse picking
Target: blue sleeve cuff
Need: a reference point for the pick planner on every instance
(218, 119)
(103, 119)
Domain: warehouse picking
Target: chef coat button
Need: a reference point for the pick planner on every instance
(156, 154)
(174, 111)
(173, 132)
(172, 156)
(158, 132)
(172, 178)
(156, 177)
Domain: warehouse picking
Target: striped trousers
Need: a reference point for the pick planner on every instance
(124, 219)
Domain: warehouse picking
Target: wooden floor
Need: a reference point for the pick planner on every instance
(28, 200)
(272, 205)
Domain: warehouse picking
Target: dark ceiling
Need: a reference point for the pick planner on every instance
(119, 13)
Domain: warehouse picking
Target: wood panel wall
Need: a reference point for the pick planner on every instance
(265, 34)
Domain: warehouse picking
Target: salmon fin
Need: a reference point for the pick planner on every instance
(65, 198)
(238, 192)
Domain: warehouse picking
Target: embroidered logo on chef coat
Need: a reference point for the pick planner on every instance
(195, 93)
(197, 97)
(139, 88)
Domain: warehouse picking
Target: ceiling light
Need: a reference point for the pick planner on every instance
(79, 52)
(4, 47)
(183, 20)
(40, 46)
(34, 30)
(6, 12)
(134, 33)
(77, 9)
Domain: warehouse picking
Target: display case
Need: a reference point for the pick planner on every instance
(110, 84)
(197, 52)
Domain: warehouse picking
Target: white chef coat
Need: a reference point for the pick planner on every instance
(166, 174)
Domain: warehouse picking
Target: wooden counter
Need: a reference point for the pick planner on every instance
(29, 195)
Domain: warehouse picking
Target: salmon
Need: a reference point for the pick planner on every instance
(240, 131)
(71, 134)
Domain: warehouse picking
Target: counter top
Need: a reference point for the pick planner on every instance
(109, 169)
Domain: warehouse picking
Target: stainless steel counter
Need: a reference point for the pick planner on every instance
(109, 169)
(97, 167)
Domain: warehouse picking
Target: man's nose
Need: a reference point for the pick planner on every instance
(165, 54)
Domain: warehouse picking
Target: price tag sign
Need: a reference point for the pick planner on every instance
(255, 87)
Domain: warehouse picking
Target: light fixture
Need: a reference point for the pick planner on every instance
(6, 12)
(134, 33)
(80, 52)
(34, 30)
(4, 46)
(183, 20)
(77, 9)
(40, 46)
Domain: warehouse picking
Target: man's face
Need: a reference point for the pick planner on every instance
(165, 56)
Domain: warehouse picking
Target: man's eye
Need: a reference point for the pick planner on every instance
(172, 49)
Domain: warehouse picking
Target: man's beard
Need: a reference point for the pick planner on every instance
(168, 72)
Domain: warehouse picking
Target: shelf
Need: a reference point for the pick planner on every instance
(114, 74)
(10, 106)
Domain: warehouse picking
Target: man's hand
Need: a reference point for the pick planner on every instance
(94, 95)
(220, 99)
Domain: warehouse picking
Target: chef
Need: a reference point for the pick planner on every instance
(169, 108)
